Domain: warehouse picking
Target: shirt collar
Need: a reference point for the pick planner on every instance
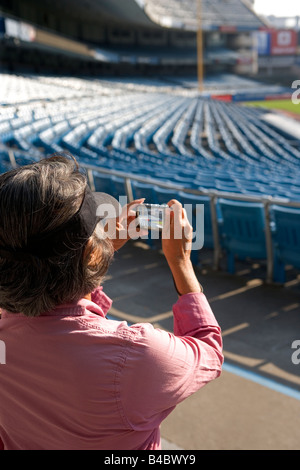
(99, 304)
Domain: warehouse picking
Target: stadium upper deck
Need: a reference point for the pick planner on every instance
(178, 14)
(235, 14)
(132, 35)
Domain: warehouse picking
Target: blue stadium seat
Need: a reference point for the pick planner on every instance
(227, 187)
(102, 182)
(164, 195)
(193, 200)
(286, 240)
(140, 190)
(118, 186)
(242, 231)
(186, 198)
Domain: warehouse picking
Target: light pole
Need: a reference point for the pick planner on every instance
(200, 64)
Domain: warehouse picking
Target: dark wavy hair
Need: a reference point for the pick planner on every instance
(38, 198)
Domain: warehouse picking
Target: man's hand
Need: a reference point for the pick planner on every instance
(123, 228)
(176, 243)
(177, 234)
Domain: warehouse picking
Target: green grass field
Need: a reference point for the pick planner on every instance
(286, 105)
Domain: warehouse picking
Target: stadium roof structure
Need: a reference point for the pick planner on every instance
(175, 14)
(128, 11)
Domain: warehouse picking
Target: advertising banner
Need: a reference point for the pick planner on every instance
(263, 42)
(226, 98)
(283, 42)
(276, 42)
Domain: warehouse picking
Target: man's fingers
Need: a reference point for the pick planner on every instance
(127, 210)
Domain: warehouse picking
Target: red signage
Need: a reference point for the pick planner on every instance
(222, 97)
(227, 28)
(283, 42)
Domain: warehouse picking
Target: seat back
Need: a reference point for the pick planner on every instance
(118, 186)
(140, 190)
(103, 182)
(243, 229)
(194, 200)
(286, 239)
(164, 195)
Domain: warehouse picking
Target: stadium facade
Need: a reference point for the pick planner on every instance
(128, 36)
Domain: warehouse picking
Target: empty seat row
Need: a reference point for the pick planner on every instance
(114, 126)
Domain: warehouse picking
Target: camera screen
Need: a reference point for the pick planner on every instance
(151, 216)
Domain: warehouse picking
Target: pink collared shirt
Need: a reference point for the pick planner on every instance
(74, 379)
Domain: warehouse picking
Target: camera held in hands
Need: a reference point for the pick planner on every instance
(151, 216)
